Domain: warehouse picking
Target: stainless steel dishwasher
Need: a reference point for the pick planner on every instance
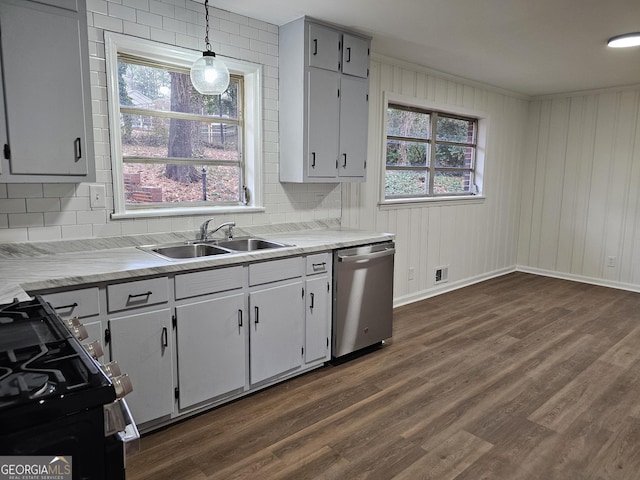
(362, 297)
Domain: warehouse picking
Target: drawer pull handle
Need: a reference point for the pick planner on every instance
(165, 337)
(312, 297)
(146, 294)
(239, 318)
(257, 310)
(64, 307)
(319, 266)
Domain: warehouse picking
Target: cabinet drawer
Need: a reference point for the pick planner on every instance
(75, 303)
(318, 263)
(137, 294)
(275, 270)
(209, 281)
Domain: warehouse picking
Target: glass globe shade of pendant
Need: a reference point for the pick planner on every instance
(209, 75)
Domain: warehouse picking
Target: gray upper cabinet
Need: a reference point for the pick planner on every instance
(324, 103)
(48, 134)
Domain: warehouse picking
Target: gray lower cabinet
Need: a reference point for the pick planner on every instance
(276, 330)
(211, 336)
(48, 135)
(142, 344)
(318, 310)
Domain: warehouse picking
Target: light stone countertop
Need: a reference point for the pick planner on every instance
(31, 267)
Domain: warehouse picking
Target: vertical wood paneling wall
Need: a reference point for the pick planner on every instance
(581, 184)
(475, 240)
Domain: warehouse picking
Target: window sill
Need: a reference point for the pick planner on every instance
(431, 202)
(186, 211)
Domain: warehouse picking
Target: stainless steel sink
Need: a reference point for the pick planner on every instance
(249, 244)
(185, 250)
(176, 251)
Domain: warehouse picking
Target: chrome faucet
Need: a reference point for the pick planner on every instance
(205, 234)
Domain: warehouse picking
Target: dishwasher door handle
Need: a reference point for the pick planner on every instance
(367, 256)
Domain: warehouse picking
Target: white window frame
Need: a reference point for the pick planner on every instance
(180, 57)
(445, 109)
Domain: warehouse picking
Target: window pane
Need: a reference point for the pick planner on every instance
(147, 136)
(453, 156)
(451, 182)
(406, 183)
(157, 89)
(455, 130)
(170, 184)
(406, 154)
(402, 123)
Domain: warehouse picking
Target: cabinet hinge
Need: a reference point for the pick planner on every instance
(107, 336)
(176, 393)
(7, 151)
(174, 321)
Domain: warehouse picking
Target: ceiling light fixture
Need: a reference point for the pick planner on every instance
(209, 75)
(624, 41)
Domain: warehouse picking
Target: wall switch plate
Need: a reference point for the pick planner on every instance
(441, 274)
(611, 261)
(412, 273)
(97, 196)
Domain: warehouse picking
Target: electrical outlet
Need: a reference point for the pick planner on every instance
(97, 196)
(412, 273)
(611, 261)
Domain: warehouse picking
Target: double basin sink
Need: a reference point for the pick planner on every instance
(198, 249)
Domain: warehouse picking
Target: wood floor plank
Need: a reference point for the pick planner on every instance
(518, 377)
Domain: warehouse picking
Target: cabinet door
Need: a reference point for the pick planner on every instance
(324, 47)
(211, 348)
(355, 56)
(354, 127)
(276, 330)
(323, 115)
(141, 344)
(317, 318)
(43, 83)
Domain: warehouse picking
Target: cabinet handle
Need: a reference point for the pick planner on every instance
(146, 294)
(344, 163)
(77, 148)
(257, 315)
(319, 266)
(315, 46)
(348, 54)
(239, 318)
(165, 337)
(64, 307)
(312, 298)
(313, 159)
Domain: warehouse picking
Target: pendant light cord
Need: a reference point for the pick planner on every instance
(206, 17)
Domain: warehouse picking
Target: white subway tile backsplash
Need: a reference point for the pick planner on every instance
(17, 205)
(164, 9)
(94, 217)
(14, 235)
(149, 19)
(44, 234)
(17, 220)
(76, 231)
(107, 23)
(136, 30)
(160, 35)
(173, 25)
(137, 4)
(60, 218)
(43, 204)
(122, 12)
(97, 6)
(24, 190)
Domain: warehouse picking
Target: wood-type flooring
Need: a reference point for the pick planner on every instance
(517, 377)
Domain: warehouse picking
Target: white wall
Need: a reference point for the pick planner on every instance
(474, 240)
(581, 195)
(36, 212)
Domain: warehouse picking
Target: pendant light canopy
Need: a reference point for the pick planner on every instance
(209, 75)
(623, 41)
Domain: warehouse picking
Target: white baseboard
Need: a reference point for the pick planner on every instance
(448, 287)
(579, 278)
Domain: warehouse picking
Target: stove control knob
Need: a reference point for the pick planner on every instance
(94, 349)
(80, 332)
(112, 369)
(122, 384)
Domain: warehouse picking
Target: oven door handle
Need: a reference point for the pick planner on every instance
(366, 256)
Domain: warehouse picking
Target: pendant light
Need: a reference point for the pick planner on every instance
(209, 75)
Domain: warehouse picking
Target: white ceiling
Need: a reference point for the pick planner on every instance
(534, 47)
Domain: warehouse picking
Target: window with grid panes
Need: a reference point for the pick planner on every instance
(429, 153)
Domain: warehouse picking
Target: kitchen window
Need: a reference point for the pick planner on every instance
(430, 154)
(175, 151)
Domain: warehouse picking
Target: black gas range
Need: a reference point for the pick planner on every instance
(55, 398)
